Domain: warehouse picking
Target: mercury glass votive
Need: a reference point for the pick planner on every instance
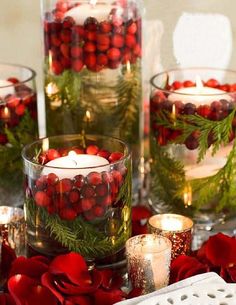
(12, 228)
(177, 228)
(148, 258)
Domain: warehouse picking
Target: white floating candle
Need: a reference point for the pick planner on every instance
(64, 167)
(6, 88)
(80, 13)
(199, 94)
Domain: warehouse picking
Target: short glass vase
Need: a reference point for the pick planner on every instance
(18, 126)
(193, 148)
(78, 196)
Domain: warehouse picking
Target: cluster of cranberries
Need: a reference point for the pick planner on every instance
(14, 106)
(216, 111)
(94, 45)
(89, 196)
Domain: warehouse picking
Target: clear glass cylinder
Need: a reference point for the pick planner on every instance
(18, 126)
(92, 68)
(192, 141)
(78, 196)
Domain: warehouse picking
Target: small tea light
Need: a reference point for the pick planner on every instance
(177, 228)
(12, 228)
(148, 258)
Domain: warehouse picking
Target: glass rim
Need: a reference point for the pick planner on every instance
(127, 153)
(33, 74)
(160, 230)
(153, 78)
(145, 236)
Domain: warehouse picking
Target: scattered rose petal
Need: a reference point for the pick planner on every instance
(104, 297)
(8, 256)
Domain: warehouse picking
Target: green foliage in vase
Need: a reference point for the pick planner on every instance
(11, 161)
(90, 239)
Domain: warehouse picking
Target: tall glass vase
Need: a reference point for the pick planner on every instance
(92, 68)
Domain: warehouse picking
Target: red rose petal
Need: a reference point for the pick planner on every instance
(227, 246)
(41, 259)
(31, 267)
(73, 266)
(111, 280)
(8, 256)
(198, 269)
(47, 280)
(40, 295)
(103, 297)
(79, 300)
(232, 273)
(140, 212)
(136, 292)
(6, 299)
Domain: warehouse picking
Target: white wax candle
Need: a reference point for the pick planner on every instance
(74, 164)
(204, 170)
(6, 88)
(171, 224)
(80, 13)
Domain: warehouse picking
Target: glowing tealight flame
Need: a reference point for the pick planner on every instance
(6, 113)
(173, 111)
(128, 66)
(88, 115)
(51, 89)
(187, 195)
(199, 83)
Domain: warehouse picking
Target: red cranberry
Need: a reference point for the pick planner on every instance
(92, 150)
(189, 108)
(130, 41)
(74, 196)
(177, 85)
(51, 209)
(67, 214)
(113, 54)
(105, 27)
(204, 110)
(43, 159)
(107, 177)
(98, 211)
(42, 199)
(52, 179)
(20, 110)
(62, 6)
(117, 177)
(66, 62)
(87, 204)
(104, 153)
(13, 80)
(102, 47)
(188, 83)
(56, 67)
(68, 22)
(166, 105)
(103, 39)
(91, 24)
(78, 33)
(77, 208)
(94, 178)
(101, 190)
(87, 191)
(212, 83)
(55, 41)
(117, 41)
(192, 141)
(90, 60)
(216, 106)
(77, 65)
(137, 51)
(66, 36)
(3, 139)
(53, 154)
(79, 181)
(89, 47)
(13, 101)
(65, 50)
(90, 36)
(41, 183)
(61, 201)
(113, 64)
(64, 186)
(50, 190)
(102, 60)
(105, 201)
(115, 156)
(88, 215)
(76, 51)
(132, 28)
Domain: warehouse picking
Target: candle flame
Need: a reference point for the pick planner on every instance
(50, 60)
(199, 83)
(51, 89)
(45, 144)
(187, 196)
(88, 115)
(128, 66)
(6, 112)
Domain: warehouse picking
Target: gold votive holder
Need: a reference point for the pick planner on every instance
(12, 228)
(148, 261)
(177, 228)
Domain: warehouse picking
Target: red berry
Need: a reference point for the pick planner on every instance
(78, 33)
(105, 27)
(94, 178)
(98, 211)
(107, 177)
(68, 22)
(216, 106)
(77, 65)
(132, 28)
(91, 24)
(188, 83)
(115, 156)
(3, 139)
(87, 191)
(117, 41)
(105, 201)
(101, 190)
(92, 150)
(88, 216)
(74, 196)
(102, 60)
(42, 199)
(212, 83)
(130, 41)
(90, 60)
(55, 41)
(104, 153)
(61, 201)
(66, 62)
(102, 47)
(20, 110)
(79, 181)
(225, 87)
(13, 80)
(117, 177)
(189, 108)
(67, 214)
(76, 52)
(56, 67)
(103, 39)
(41, 183)
(89, 47)
(62, 6)
(13, 101)
(204, 110)
(113, 64)
(51, 209)
(137, 50)
(50, 190)
(86, 204)
(65, 35)
(177, 85)
(64, 185)
(113, 54)
(65, 50)
(53, 154)
(52, 179)
(90, 36)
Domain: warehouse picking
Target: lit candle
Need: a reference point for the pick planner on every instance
(148, 259)
(5, 114)
(80, 13)
(177, 228)
(6, 88)
(198, 94)
(64, 167)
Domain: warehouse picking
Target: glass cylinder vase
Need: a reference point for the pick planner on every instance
(92, 68)
(18, 126)
(193, 143)
(78, 196)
